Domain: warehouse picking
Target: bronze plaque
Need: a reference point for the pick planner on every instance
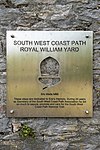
(49, 73)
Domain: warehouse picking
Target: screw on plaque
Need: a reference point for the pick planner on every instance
(12, 111)
(12, 36)
(87, 112)
(87, 36)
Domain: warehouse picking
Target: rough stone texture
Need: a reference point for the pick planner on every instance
(51, 133)
(49, 68)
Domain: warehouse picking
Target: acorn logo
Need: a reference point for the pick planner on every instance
(49, 69)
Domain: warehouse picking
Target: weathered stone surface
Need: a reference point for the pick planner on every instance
(82, 146)
(19, 1)
(45, 1)
(2, 1)
(72, 1)
(11, 136)
(91, 129)
(16, 127)
(3, 124)
(2, 66)
(2, 78)
(59, 146)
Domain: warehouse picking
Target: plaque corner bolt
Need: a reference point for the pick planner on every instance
(12, 111)
(87, 36)
(12, 36)
(86, 111)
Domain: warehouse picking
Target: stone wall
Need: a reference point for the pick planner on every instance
(51, 133)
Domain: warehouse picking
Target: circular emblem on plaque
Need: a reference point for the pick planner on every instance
(49, 69)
